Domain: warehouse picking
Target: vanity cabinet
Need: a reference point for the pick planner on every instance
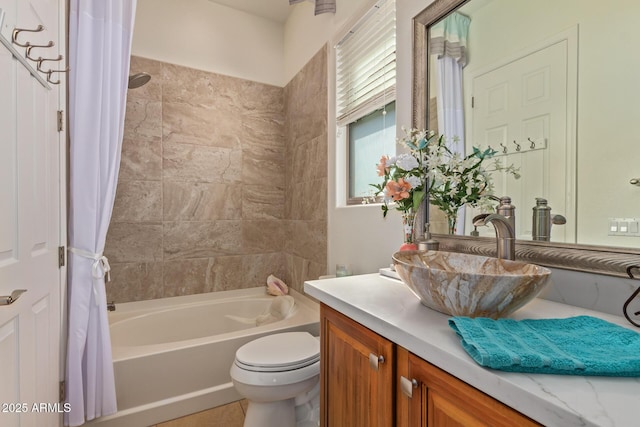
(357, 373)
(428, 396)
(369, 381)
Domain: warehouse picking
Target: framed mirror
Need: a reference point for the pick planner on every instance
(553, 88)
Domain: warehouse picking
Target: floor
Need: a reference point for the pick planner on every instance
(231, 415)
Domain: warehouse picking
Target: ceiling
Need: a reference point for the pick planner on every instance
(275, 10)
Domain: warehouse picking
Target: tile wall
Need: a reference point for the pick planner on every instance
(222, 182)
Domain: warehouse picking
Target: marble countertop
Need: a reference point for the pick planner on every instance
(390, 309)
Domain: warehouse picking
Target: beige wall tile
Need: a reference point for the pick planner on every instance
(134, 242)
(215, 126)
(260, 166)
(228, 273)
(256, 268)
(143, 118)
(135, 282)
(197, 163)
(262, 202)
(202, 239)
(262, 236)
(141, 159)
(138, 201)
(197, 87)
(307, 239)
(188, 276)
(199, 201)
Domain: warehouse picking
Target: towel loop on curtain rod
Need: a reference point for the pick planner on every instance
(631, 298)
(16, 31)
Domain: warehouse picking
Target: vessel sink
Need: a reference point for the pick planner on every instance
(470, 285)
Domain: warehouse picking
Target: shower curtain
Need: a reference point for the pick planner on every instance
(449, 42)
(99, 50)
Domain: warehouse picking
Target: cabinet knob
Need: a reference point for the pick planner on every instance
(375, 360)
(407, 386)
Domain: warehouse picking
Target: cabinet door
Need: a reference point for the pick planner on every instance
(442, 400)
(357, 370)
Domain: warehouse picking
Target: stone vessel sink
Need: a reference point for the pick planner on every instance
(470, 285)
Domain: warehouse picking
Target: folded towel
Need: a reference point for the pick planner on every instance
(280, 308)
(581, 345)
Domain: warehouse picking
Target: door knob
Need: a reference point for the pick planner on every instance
(10, 299)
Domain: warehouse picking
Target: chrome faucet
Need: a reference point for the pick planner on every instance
(504, 223)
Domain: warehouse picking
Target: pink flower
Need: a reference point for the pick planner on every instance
(382, 166)
(398, 190)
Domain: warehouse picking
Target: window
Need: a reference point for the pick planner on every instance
(369, 138)
(365, 96)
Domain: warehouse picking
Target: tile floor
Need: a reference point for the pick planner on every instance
(231, 415)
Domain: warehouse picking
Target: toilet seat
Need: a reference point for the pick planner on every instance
(282, 352)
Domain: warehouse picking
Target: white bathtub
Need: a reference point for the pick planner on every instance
(172, 355)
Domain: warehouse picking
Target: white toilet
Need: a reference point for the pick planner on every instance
(280, 377)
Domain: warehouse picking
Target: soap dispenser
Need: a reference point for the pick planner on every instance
(542, 220)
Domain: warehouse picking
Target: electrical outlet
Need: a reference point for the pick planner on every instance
(624, 227)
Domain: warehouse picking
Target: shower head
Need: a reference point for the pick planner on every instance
(138, 79)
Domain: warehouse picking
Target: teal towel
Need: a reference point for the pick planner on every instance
(581, 345)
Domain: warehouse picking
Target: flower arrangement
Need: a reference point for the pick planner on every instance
(452, 180)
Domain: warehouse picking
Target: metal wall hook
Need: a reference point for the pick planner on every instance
(50, 73)
(504, 148)
(518, 148)
(533, 143)
(16, 31)
(30, 46)
(41, 60)
(631, 298)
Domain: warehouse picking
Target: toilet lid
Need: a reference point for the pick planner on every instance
(279, 352)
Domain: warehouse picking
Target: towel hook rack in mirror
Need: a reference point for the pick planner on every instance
(632, 297)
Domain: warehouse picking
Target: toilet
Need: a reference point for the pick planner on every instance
(279, 375)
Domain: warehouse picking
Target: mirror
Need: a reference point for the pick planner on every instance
(578, 150)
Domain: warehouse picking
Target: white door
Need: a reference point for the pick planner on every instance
(520, 110)
(31, 220)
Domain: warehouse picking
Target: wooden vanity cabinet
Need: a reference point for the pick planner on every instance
(357, 369)
(355, 393)
(440, 399)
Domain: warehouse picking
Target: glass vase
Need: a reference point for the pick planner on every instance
(451, 224)
(408, 219)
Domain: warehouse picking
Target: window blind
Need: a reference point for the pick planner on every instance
(366, 64)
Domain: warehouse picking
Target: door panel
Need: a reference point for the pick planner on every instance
(31, 191)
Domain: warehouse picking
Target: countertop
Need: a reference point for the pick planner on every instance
(389, 308)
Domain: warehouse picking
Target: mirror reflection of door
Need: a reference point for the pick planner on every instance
(519, 108)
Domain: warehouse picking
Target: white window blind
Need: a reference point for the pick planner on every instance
(366, 64)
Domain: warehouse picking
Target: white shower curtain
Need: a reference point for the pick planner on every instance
(99, 50)
(451, 113)
(449, 42)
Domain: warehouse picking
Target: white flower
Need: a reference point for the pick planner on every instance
(406, 162)
(413, 181)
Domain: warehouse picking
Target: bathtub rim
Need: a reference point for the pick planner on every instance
(308, 312)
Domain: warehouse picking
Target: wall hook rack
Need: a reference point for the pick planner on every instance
(21, 59)
(41, 60)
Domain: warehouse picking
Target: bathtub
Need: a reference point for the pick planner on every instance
(172, 356)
